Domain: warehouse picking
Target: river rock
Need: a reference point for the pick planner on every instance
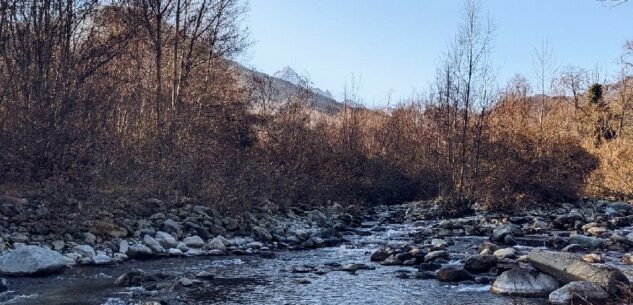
(597, 231)
(592, 258)
(32, 260)
(622, 207)
(313, 242)
(303, 281)
(303, 269)
(404, 256)
(355, 267)
(3, 285)
(182, 247)
(628, 258)
(173, 227)
(567, 268)
(379, 255)
(573, 248)
(58, 245)
(205, 275)
(230, 224)
(435, 255)
(500, 233)
(123, 246)
(487, 248)
(18, 237)
(439, 243)
(166, 240)
(505, 253)
(262, 233)
(131, 278)
(453, 274)
(194, 241)
(101, 259)
(302, 234)
(425, 275)
(578, 293)
(174, 252)
(429, 266)
(153, 244)
(216, 244)
(89, 238)
(117, 232)
(185, 282)
(586, 241)
(629, 239)
(569, 220)
(139, 251)
(525, 283)
(480, 263)
(84, 250)
(391, 261)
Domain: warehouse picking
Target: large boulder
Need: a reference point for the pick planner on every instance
(578, 293)
(480, 263)
(32, 260)
(567, 267)
(525, 283)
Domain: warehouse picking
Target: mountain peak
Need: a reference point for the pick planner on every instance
(290, 75)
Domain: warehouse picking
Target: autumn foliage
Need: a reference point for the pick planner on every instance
(141, 97)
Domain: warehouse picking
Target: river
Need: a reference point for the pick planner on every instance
(258, 280)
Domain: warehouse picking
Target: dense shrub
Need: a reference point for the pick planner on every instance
(132, 106)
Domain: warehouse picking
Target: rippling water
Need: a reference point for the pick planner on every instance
(255, 280)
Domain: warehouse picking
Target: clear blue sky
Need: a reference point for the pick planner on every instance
(395, 45)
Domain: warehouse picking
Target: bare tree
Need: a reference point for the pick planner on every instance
(471, 50)
(544, 71)
(574, 80)
(206, 30)
(154, 15)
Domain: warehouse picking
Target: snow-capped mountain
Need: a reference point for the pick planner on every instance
(290, 75)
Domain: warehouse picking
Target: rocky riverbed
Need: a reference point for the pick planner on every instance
(388, 255)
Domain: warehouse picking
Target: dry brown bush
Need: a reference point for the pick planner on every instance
(165, 115)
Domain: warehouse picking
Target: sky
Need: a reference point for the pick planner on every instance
(390, 48)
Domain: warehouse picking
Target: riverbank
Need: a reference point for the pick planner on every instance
(567, 254)
(411, 248)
